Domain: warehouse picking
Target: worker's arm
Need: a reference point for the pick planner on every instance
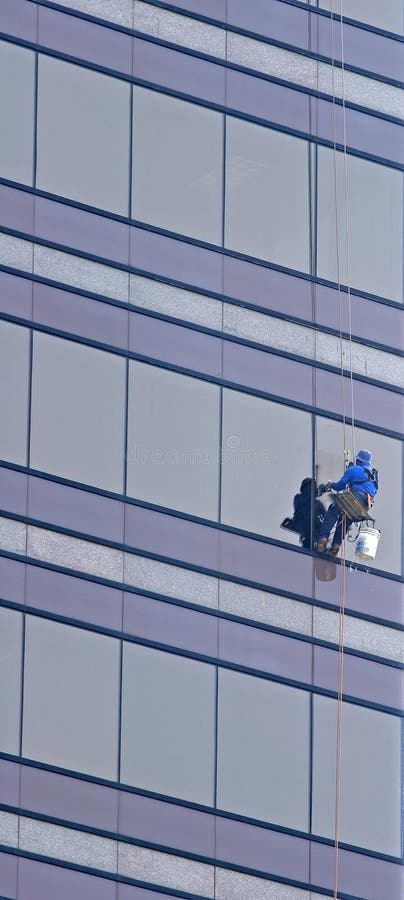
(339, 485)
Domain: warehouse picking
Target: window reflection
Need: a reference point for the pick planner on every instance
(370, 775)
(14, 389)
(267, 194)
(17, 81)
(177, 165)
(266, 454)
(388, 15)
(83, 135)
(373, 221)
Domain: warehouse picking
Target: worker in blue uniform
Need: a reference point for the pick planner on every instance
(362, 481)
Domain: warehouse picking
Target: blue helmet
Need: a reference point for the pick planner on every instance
(364, 457)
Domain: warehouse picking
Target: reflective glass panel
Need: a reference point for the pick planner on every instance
(387, 14)
(14, 376)
(263, 750)
(78, 408)
(370, 775)
(387, 459)
(71, 698)
(17, 87)
(177, 165)
(173, 440)
(168, 724)
(10, 679)
(267, 194)
(266, 454)
(374, 221)
(83, 135)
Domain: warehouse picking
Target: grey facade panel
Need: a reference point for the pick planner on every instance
(79, 510)
(13, 488)
(19, 18)
(177, 346)
(40, 881)
(93, 234)
(175, 259)
(15, 295)
(179, 72)
(76, 37)
(8, 875)
(75, 598)
(73, 799)
(78, 315)
(12, 575)
(170, 625)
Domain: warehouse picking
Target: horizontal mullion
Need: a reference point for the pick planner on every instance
(127, 588)
(185, 239)
(215, 811)
(213, 379)
(195, 326)
(191, 326)
(246, 32)
(176, 514)
(214, 612)
(133, 79)
(159, 848)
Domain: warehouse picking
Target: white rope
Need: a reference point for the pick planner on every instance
(347, 231)
(338, 760)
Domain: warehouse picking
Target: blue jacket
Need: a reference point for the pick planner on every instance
(351, 477)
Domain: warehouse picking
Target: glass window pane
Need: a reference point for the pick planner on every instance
(78, 400)
(168, 724)
(370, 775)
(265, 444)
(173, 440)
(263, 750)
(83, 135)
(375, 226)
(267, 194)
(14, 376)
(10, 679)
(177, 165)
(387, 14)
(17, 81)
(387, 459)
(71, 698)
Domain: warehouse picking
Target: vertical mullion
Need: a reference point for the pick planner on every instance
(35, 123)
(120, 711)
(29, 404)
(126, 425)
(220, 459)
(130, 151)
(224, 181)
(23, 638)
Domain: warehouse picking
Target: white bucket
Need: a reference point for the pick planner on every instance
(367, 543)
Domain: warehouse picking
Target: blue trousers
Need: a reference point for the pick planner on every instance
(333, 517)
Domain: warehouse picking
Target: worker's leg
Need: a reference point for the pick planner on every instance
(341, 532)
(333, 514)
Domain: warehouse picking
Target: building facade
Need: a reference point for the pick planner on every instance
(201, 288)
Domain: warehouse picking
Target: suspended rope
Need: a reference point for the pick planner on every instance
(337, 229)
(342, 585)
(347, 231)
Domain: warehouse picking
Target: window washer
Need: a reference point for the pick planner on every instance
(308, 513)
(362, 481)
